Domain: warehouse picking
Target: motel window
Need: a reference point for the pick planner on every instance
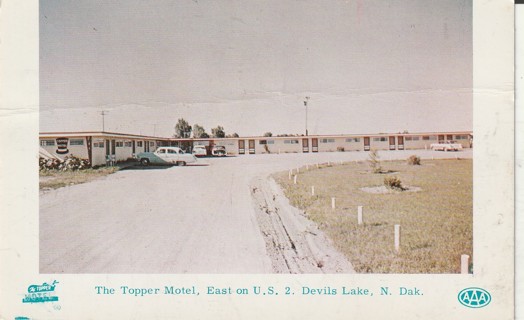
(44, 143)
(119, 144)
(290, 141)
(461, 137)
(99, 144)
(416, 138)
(151, 143)
(262, 142)
(425, 137)
(128, 144)
(76, 142)
(139, 144)
(327, 140)
(408, 138)
(271, 142)
(379, 139)
(353, 140)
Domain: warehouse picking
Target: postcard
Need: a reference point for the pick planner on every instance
(257, 159)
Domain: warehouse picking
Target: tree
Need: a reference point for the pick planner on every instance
(234, 135)
(268, 134)
(218, 132)
(182, 129)
(199, 132)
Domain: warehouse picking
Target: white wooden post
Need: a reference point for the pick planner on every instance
(329, 163)
(290, 173)
(464, 264)
(359, 215)
(397, 237)
(295, 179)
(312, 190)
(317, 165)
(307, 167)
(333, 203)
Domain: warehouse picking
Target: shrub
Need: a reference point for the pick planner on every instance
(374, 161)
(341, 149)
(393, 183)
(70, 163)
(414, 160)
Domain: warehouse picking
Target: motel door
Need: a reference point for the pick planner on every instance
(392, 145)
(314, 145)
(241, 147)
(305, 145)
(134, 146)
(146, 146)
(252, 146)
(400, 141)
(108, 150)
(366, 144)
(449, 137)
(113, 147)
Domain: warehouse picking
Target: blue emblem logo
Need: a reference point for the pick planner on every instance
(41, 293)
(474, 297)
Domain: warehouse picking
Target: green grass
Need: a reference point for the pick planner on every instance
(51, 179)
(436, 222)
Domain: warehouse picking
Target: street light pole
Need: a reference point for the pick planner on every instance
(103, 113)
(305, 104)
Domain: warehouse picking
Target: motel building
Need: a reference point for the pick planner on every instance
(101, 147)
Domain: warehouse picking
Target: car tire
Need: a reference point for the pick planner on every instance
(181, 163)
(145, 162)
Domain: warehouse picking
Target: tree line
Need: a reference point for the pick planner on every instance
(184, 130)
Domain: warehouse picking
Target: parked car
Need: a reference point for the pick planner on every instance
(166, 155)
(200, 151)
(218, 151)
(449, 145)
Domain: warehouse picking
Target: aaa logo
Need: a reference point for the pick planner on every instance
(474, 297)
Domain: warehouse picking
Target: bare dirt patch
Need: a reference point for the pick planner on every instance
(294, 243)
(384, 189)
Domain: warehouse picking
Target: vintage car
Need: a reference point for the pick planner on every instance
(218, 151)
(200, 151)
(166, 155)
(449, 145)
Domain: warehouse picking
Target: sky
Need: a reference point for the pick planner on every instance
(368, 66)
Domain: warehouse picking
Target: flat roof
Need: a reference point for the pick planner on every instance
(135, 136)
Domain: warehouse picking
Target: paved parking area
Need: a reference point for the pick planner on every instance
(194, 219)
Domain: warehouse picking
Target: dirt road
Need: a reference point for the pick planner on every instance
(226, 217)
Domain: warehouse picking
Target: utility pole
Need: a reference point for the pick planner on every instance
(103, 113)
(154, 129)
(305, 104)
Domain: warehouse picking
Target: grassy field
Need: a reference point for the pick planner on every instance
(436, 221)
(57, 179)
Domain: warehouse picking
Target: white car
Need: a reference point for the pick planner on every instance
(166, 155)
(446, 146)
(219, 151)
(200, 151)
